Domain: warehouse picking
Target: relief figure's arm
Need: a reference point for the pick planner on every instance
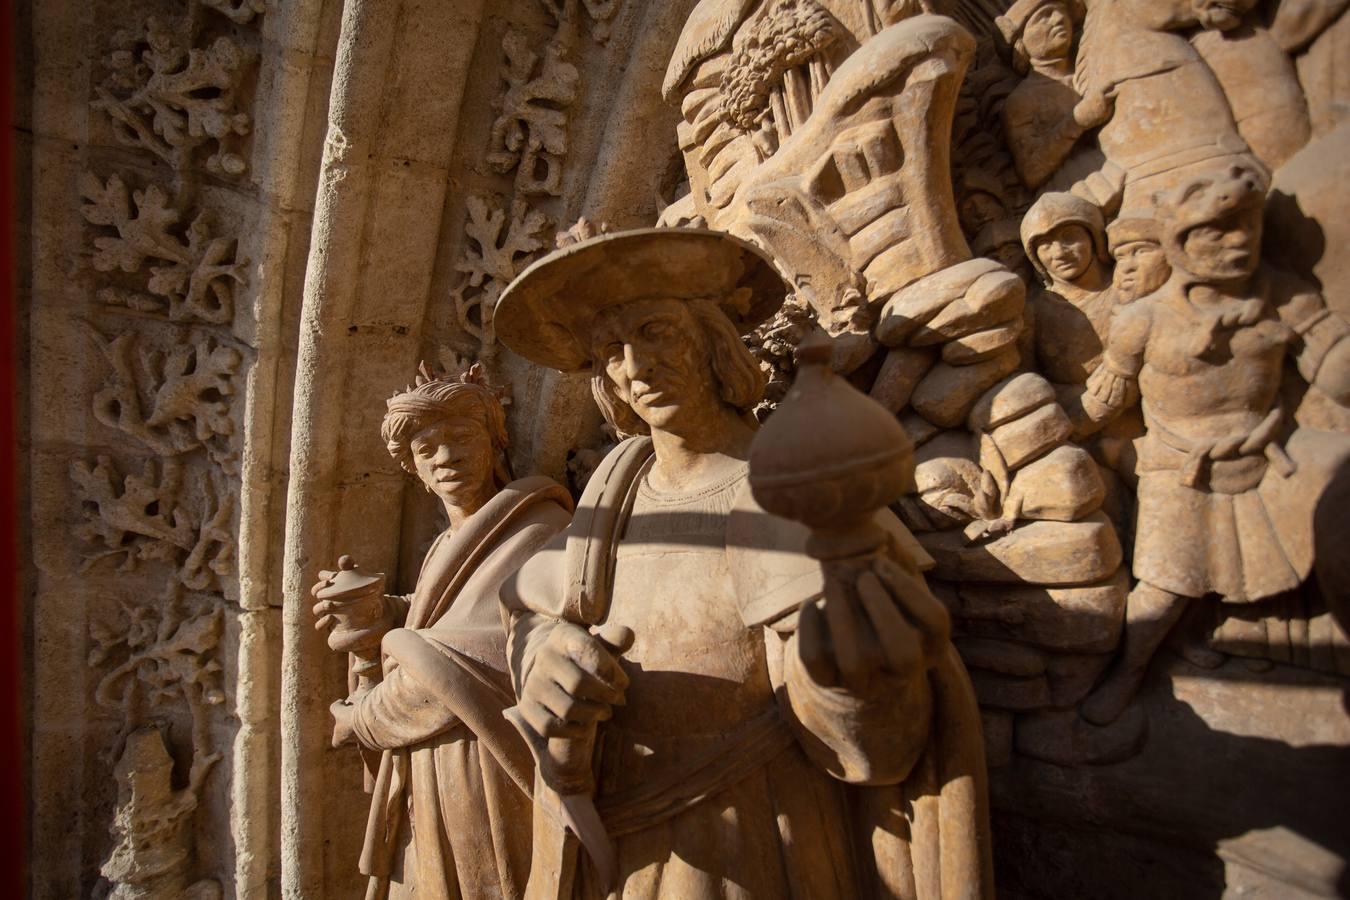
(1321, 350)
(854, 674)
(1114, 386)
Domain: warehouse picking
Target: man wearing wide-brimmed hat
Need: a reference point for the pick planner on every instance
(725, 764)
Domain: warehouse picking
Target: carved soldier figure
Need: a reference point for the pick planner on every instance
(450, 811)
(1071, 313)
(1227, 484)
(751, 744)
(1135, 242)
(1044, 116)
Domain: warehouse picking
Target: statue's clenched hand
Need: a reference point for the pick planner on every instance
(881, 625)
(575, 680)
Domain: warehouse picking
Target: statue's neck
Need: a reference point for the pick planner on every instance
(689, 458)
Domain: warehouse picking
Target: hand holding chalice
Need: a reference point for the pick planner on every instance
(351, 606)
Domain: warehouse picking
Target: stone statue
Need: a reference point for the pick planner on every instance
(754, 724)
(1171, 117)
(1227, 481)
(1135, 242)
(450, 809)
(1044, 116)
(1071, 313)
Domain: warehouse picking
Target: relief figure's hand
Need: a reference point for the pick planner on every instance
(1095, 109)
(354, 623)
(878, 626)
(574, 682)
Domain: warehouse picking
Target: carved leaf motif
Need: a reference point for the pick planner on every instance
(491, 260)
(136, 517)
(196, 278)
(170, 98)
(188, 394)
(530, 133)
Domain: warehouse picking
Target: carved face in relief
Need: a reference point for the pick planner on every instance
(1048, 34)
(1141, 268)
(1221, 15)
(1066, 251)
(654, 354)
(671, 365)
(454, 458)
(1226, 249)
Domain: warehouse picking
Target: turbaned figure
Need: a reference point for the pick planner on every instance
(450, 806)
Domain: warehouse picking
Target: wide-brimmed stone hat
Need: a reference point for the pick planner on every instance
(547, 313)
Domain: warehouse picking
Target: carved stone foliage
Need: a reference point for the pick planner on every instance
(188, 274)
(152, 657)
(529, 135)
(498, 247)
(159, 653)
(172, 98)
(172, 401)
(138, 518)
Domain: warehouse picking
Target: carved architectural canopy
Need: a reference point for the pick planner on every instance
(1022, 331)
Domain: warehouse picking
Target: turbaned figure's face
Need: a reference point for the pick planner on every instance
(453, 457)
(656, 355)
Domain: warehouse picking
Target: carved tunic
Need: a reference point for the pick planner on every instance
(726, 773)
(1222, 507)
(699, 680)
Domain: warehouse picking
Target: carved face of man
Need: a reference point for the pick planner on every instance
(453, 457)
(1227, 249)
(1141, 268)
(1066, 251)
(1048, 34)
(1221, 15)
(654, 353)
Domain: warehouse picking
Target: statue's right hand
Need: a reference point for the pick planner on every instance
(354, 623)
(574, 682)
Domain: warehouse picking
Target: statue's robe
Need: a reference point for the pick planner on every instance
(450, 811)
(726, 772)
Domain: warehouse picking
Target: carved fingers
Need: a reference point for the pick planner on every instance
(884, 623)
(574, 682)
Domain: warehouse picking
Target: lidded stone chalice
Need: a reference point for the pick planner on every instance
(357, 615)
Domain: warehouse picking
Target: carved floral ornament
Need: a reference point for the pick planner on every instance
(169, 97)
(189, 275)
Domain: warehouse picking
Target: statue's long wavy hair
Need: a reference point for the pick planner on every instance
(740, 380)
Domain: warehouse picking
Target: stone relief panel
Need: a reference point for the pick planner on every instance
(157, 282)
(1089, 159)
(173, 98)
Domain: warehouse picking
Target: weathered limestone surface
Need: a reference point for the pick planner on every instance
(1090, 256)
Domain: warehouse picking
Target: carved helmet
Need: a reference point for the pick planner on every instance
(1061, 208)
(1133, 226)
(547, 314)
(1014, 21)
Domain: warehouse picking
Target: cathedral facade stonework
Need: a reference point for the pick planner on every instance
(683, 448)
